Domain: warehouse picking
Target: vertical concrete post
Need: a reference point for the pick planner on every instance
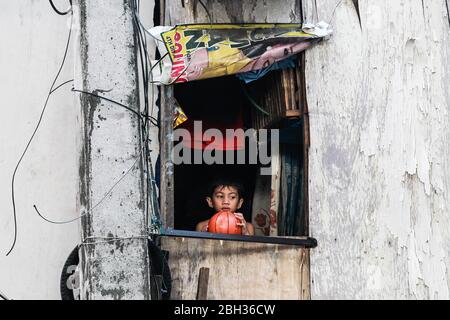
(113, 258)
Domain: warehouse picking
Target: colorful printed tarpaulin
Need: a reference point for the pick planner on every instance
(194, 52)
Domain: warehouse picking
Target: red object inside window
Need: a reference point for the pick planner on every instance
(220, 140)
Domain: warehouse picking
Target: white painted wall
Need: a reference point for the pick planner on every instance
(32, 46)
(33, 40)
(379, 102)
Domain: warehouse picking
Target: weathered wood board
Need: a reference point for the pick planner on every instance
(261, 205)
(379, 100)
(237, 270)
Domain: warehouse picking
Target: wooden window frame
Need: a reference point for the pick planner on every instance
(167, 169)
(167, 188)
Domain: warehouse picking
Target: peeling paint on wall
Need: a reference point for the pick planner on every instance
(380, 160)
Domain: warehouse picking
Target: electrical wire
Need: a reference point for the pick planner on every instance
(143, 116)
(207, 11)
(334, 11)
(55, 222)
(146, 74)
(32, 137)
(60, 12)
(253, 102)
(110, 239)
(3, 296)
(316, 14)
(115, 102)
(157, 63)
(140, 115)
(96, 205)
(145, 69)
(110, 100)
(194, 50)
(185, 69)
(117, 182)
(143, 57)
(62, 84)
(146, 30)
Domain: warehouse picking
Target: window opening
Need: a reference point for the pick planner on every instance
(226, 103)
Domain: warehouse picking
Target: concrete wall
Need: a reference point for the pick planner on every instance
(379, 101)
(33, 40)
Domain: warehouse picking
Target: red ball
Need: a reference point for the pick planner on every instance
(224, 222)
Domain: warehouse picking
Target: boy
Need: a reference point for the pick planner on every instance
(226, 196)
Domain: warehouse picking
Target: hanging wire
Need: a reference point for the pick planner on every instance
(187, 66)
(34, 133)
(110, 239)
(62, 84)
(3, 296)
(143, 57)
(253, 102)
(146, 74)
(207, 11)
(141, 115)
(145, 29)
(334, 11)
(147, 78)
(145, 120)
(61, 13)
(54, 222)
(315, 16)
(144, 115)
(194, 50)
(90, 211)
(117, 103)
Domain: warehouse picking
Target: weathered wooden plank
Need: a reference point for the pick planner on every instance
(293, 113)
(277, 93)
(203, 279)
(305, 283)
(275, 193)
(303, 104)
(261, 205)
(167, 166)
(379, 159)
(238, 270)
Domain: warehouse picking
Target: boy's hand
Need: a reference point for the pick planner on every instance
(202, 226)
(242, 223)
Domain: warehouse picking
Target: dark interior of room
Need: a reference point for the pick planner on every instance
(220, 102)
(216, 102)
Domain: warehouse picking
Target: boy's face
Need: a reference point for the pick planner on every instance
(225, 198)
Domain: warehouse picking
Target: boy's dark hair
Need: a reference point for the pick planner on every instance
(226, 183)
